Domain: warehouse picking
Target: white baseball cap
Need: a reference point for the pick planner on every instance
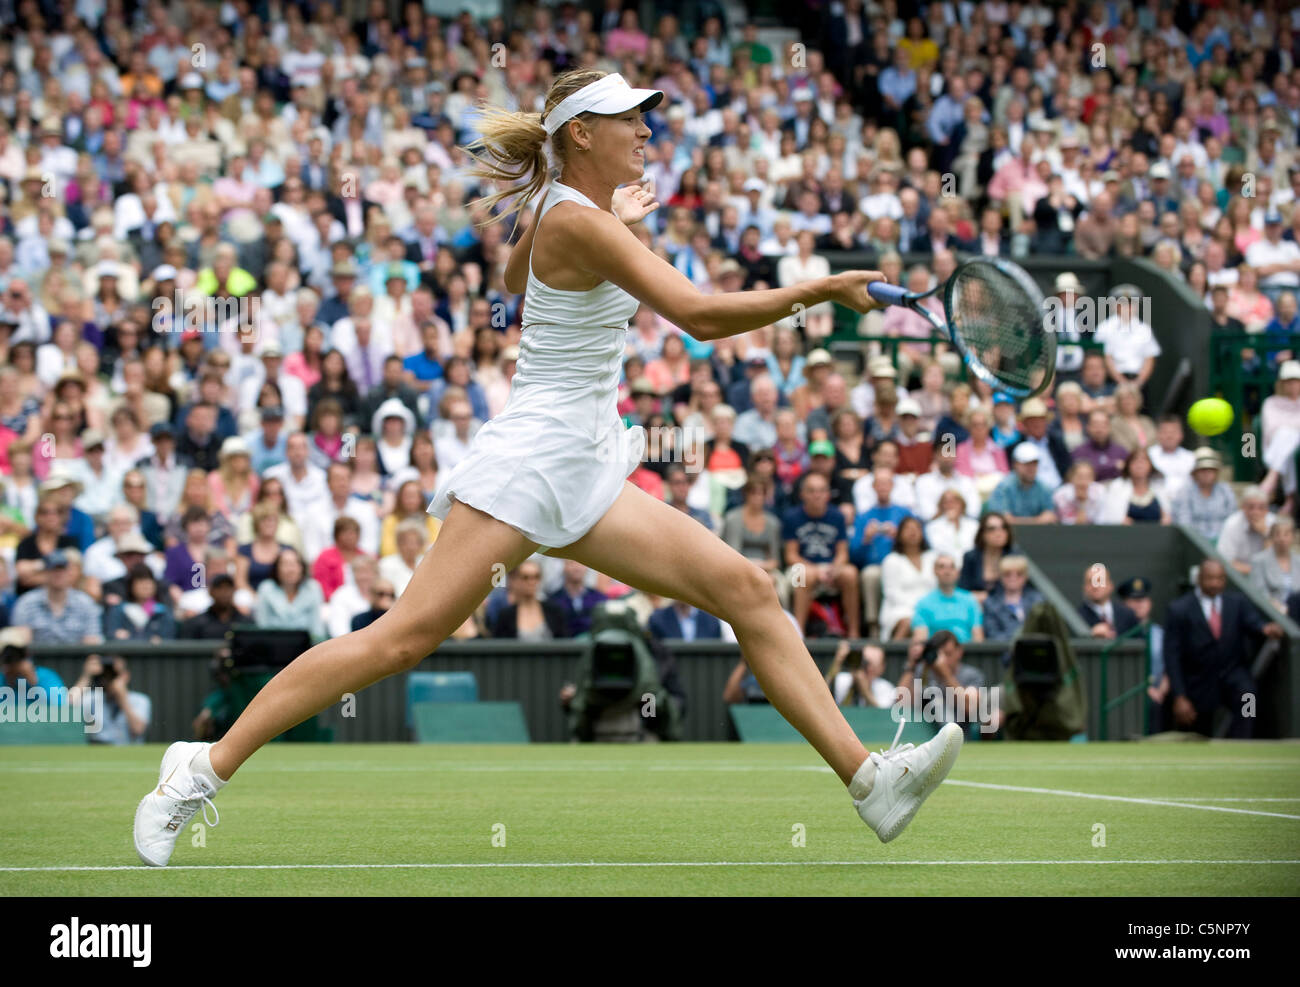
(1290, 370)
(1026, 452)
(608, 95)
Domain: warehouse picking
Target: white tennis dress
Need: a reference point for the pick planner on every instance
(556, 458)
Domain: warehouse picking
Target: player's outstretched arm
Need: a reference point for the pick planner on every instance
(600, 244)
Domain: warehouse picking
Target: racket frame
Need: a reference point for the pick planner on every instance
(912, 300)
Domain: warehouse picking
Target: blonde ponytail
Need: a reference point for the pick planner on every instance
(511, 147)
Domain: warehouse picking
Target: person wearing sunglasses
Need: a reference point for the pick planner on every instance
(382, 595)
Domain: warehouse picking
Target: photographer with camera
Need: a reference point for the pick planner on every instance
(859, 679)
(122, 716)
(32, 684)
(937, 664)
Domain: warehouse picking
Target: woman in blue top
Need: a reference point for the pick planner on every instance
(290, 599)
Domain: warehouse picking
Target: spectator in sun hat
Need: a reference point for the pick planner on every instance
(66, 487)
(1207, 502)
(1054, 457)
(880, 370)
(1280, 434)
(1069, 354)
(133, 549)
(915, 449)
(101, 561)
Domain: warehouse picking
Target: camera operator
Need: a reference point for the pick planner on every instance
(123, 715)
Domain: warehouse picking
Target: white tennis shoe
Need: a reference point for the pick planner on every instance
(162, 814)
(905, 777)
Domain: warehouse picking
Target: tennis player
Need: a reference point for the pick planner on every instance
(550, 472)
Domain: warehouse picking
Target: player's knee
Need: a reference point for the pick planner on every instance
(747, 589)
(400, 649)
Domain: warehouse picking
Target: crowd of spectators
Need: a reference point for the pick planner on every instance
(249, 314)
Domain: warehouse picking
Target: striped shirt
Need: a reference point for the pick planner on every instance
(1204, 515)
(78, 619)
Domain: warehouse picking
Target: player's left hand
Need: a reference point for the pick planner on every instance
(633, 203)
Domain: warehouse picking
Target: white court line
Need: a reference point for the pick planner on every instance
(551, 865)
(1211, 798)
(1118, 798)
(568, 767)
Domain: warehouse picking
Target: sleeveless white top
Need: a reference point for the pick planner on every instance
(557, 457)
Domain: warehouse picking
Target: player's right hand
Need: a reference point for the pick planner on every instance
(849, 288)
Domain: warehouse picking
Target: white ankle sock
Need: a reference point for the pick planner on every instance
(201, 765)
(863, 781)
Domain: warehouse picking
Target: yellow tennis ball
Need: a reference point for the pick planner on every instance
(1210, 416)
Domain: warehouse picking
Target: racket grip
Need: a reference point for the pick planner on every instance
(890, 294)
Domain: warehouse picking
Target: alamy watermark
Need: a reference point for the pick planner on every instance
(946, 704)
(194, 311)
(56, 704)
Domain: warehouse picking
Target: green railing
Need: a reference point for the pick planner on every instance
(847, 337)
(1242, 384)
(1103, 673)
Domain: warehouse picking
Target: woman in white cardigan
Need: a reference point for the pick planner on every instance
(817, 321)
(906, 575)
(952, 532)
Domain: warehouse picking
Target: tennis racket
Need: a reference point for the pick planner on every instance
(997, 320)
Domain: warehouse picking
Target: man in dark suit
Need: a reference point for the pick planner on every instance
(1208, 655)
(1107, 617)
(681, 620)
(576, 598)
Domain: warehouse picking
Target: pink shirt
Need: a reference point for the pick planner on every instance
(296, 364)
(1280, 412)
(972, 462)
(1249, 310)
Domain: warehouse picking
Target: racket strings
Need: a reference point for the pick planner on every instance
(1000, 324)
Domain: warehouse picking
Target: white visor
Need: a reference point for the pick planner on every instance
(606, 96)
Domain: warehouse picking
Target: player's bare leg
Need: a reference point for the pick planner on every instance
(448, 585)
(645, 543)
